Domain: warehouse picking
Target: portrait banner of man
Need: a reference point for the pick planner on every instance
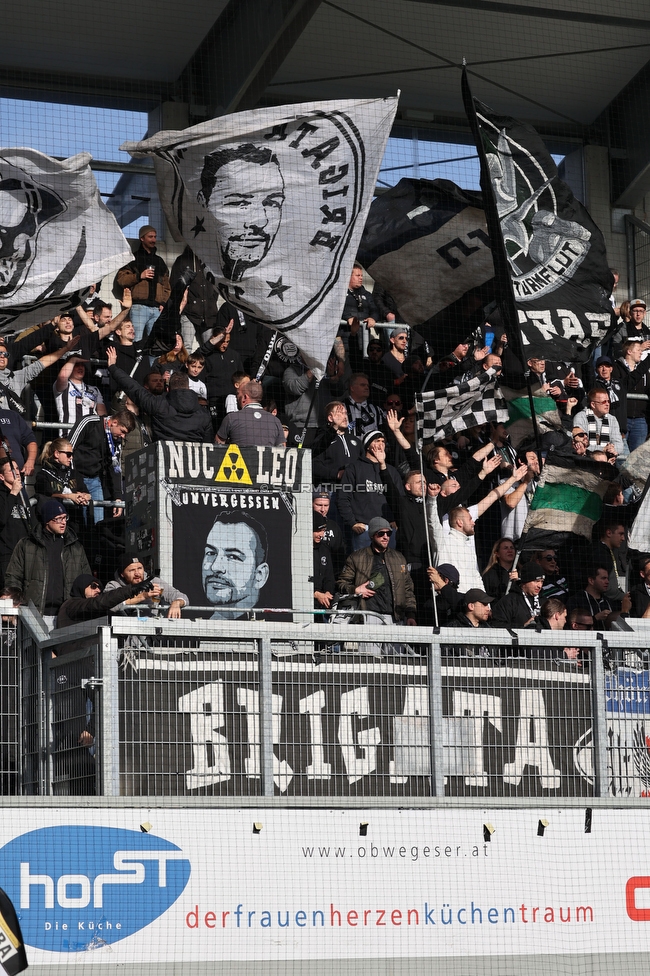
(274, 201)
(235, 556)
(57, 237)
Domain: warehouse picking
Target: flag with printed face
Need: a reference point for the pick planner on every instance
(273, 201)
(549, 255)
(426, 243)
(57, 237)
(444, 413)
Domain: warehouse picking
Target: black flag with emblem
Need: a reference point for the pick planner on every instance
(273, 202)
(426, 243)
(13, 957)
(549, 255)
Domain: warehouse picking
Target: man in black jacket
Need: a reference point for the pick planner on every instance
(640, 594)
(177, 416)
(15, 514)
(87, 602)
(96, 442)
(336, 448)
(324, 581)
(477, 610)
(45, 564)
(522, 605)
(199, 317)
(364, 488)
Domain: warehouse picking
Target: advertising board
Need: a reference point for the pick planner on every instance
(270, 887)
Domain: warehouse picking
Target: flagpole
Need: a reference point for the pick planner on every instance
(311, 407)
(418, 443)
(501, 268)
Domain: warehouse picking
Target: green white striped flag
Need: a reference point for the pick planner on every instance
(568, 500)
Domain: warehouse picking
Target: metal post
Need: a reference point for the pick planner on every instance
(107, 754)
(631, 256)
(266, 717)
(434, 679)
(599, 712)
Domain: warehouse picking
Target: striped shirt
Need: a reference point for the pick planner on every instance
(77, 401)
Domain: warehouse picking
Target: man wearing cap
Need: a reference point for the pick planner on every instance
(336, 448)
(396, 355)
(522, 605)
(88, 602)
(637, 328)
(131, 572)
(449, 600)
(45, 564)
(477, 610)
(611, 383)
(324, 580)
(379, 575)
(148, 278)
(364, 488)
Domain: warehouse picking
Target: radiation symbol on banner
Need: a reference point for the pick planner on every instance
(233, 468)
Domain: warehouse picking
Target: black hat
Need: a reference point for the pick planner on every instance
(477, 596)
(318, 522)
(531, 571)
(603, 361)
(371, 436)
(126, 560)
(449, 572)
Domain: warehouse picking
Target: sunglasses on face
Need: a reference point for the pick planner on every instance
(94, 586)
(67, 453)
(383, 533)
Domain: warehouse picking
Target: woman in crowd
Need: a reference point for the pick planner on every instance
(56, 479)
(499, 571)
(173, 361)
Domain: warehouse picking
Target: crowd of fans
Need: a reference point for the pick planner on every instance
(427, 537)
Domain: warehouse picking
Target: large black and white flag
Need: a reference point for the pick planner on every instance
(549, 247)
(57, 237)
(426, 243)
(444, 413)
(273, 201)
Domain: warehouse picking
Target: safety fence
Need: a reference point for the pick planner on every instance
(174, 708)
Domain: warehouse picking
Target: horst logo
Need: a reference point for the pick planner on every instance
(78, 888)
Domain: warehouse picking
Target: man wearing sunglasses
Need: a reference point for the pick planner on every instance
(379, 576)
(46, 563)
(87, 601)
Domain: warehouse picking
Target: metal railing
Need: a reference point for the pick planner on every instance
(157, 707)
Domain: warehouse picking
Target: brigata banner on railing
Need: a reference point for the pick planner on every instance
(172, 887)
(351, 725)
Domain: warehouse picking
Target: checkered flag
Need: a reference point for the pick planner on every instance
(444, 413)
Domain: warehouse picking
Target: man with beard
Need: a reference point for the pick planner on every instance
(243, 189)
(234, 567)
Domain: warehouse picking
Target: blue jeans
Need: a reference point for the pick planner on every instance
(96, 492)
(143, 318)
(637, 432)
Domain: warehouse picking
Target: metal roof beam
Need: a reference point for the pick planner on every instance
(243, 51)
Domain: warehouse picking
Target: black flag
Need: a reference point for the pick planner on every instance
(426, 243)
(13, 957)
(543, 240)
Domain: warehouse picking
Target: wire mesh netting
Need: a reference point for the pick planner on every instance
(323, 485)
